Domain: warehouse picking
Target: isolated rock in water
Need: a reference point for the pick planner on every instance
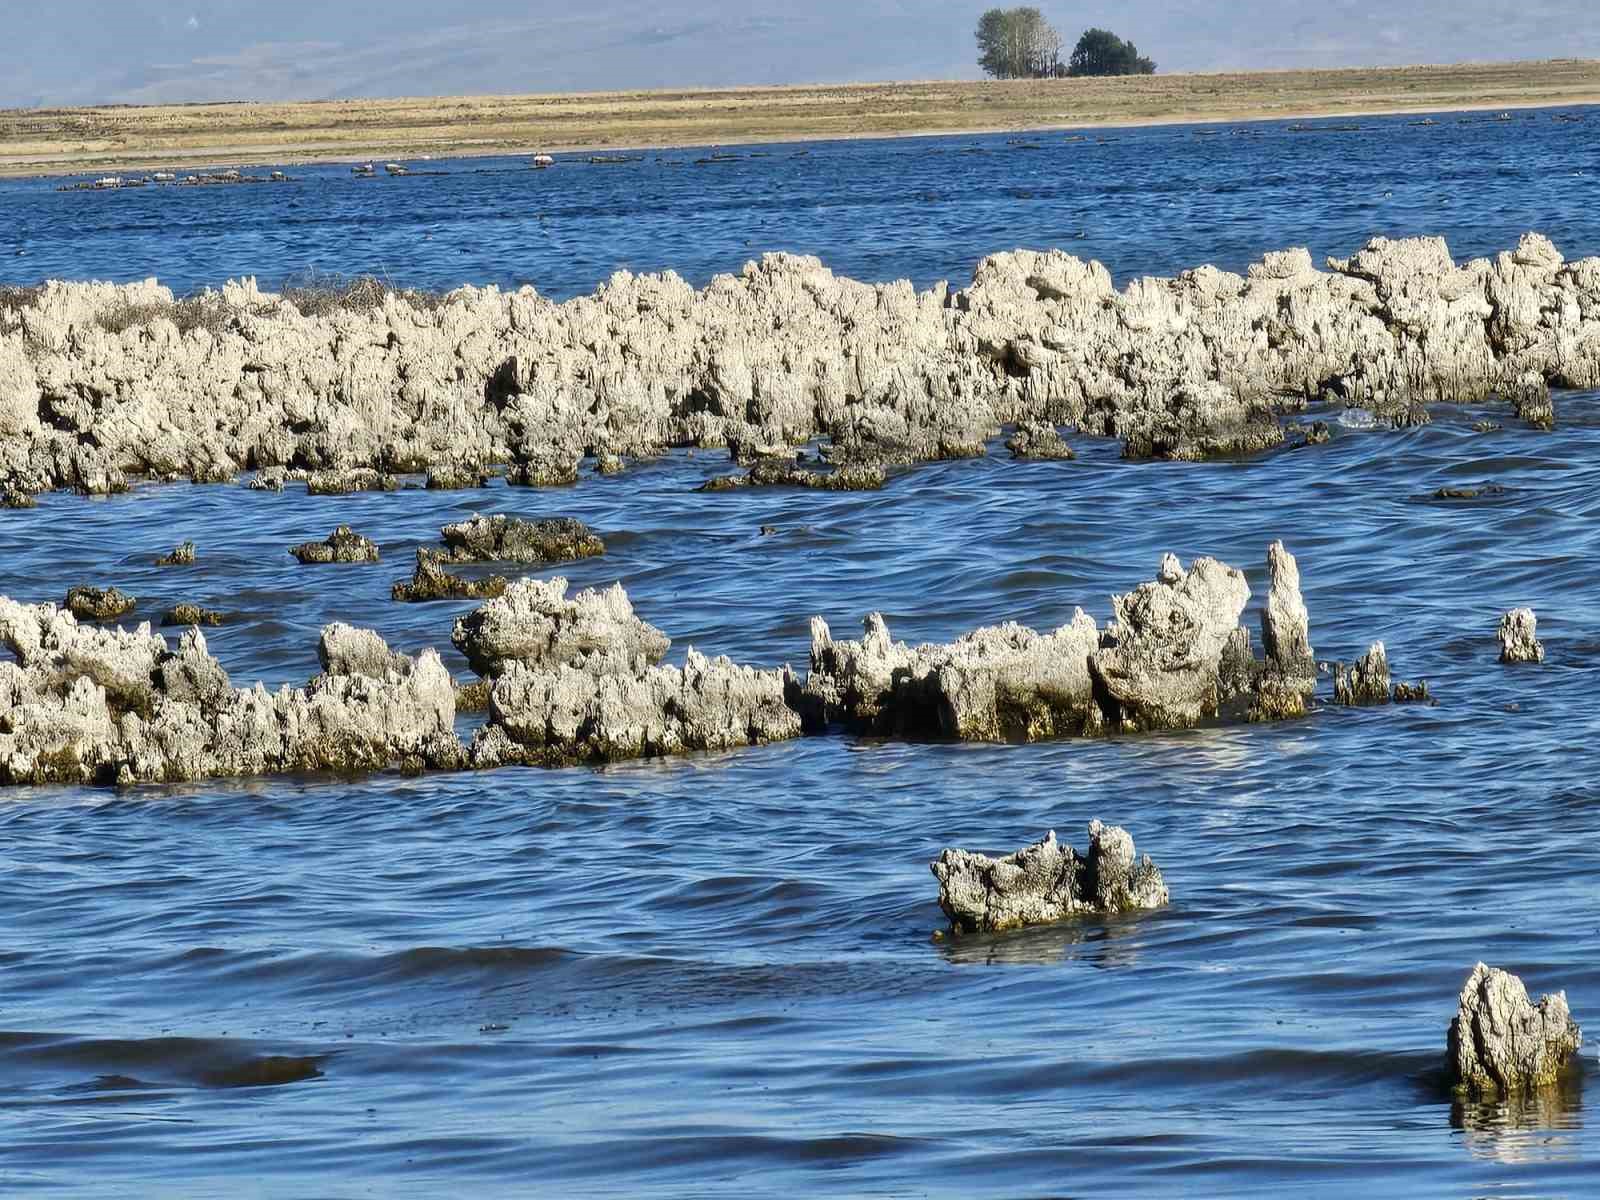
(1519, 642)
(1038, 441)
(271, 479)
(98, 604)
(1160, 662)
(503, 538)
(17, 499)
(559, 717)
(191, 614)
(1047, 882)
(1286, 626)
(1003, 683)
(535, 623)
(343, 545)
(1367, 682)
(430, 581)
(181, 556)
(1501, 1044)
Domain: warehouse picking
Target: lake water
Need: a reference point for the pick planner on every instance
(715, 975)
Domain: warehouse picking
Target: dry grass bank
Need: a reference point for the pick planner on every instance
(122, 138)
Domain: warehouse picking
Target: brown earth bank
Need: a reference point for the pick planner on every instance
(56, 141)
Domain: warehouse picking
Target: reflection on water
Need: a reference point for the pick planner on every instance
(1542, 1127)
(1099, 941)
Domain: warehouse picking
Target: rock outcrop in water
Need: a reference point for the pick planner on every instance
(190, 614)
(1172, 656)
(181, 556)
(343, 545)
(502, 538)
(1002, 683)
(430, 581)
(1519, 641)
(87, 705)
(1047, 882)
(89, 603)
(1364, 682)
(98, 384)
(1501, 1044)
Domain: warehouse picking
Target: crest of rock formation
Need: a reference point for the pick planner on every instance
(535, 623)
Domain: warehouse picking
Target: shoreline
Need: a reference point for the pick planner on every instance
(680, 120)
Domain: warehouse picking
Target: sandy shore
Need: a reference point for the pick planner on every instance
(69, 141)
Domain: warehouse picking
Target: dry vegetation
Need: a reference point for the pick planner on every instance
(55, 140)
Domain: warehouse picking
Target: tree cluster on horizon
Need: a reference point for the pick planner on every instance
(1018, 43)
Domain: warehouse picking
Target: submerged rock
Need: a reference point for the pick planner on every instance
(98, 604)
(1047, 882)
(190, 614)
(181, 556)
(343, 545)
(560, 717)
(503, 538)
(536, 624)
(1501, 1044)
(1519, 642)
(430, 581)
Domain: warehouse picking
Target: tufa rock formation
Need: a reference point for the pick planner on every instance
(1207, 363)
(1519, 642)
(343, 545)
(86, 705)
(535, 623)
(1046, 882)
(1501, 1044)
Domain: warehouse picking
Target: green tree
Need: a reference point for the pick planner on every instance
(1018, 43)
(1101, 52)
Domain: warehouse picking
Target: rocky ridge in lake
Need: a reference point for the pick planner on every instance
(98, 385)
(580, 679)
